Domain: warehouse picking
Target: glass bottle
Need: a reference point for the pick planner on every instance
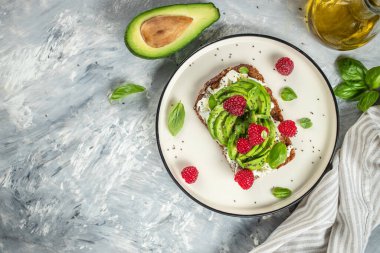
(344, 24)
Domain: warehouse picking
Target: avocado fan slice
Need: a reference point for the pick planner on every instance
(218, 127)
(243, 84)
(229, 89)
(231, 94)
(231, 146)
(162, 31)
(227, 128)
(258, 99)
(256, 148)
(212, 117)
(264, 147)
(229, 124)
(269, 141)
(261, 97)
(239, 129)
(255, 164)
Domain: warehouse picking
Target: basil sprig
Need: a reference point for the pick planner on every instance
(288, 94)
(359, 84)
(176, 118)
(305, 123)
(125, 90)
(277, 155)
(281, 192)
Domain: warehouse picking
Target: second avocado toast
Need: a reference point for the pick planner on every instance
(242, 115)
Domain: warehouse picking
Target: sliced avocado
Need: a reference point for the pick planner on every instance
(229, 124)
(255, 117)
(269, 142)
(254, 164)
(227, 128)
(211, 119)
(245, 85)
(229, 91)
(218, 127)
(260, 150)
(162, 31)
(260, 98)
(241, 126)
(239, 129)
(231, 147)
(231, 94)
(252, 153)
(251, 100)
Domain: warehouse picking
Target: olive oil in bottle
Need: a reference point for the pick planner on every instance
(344, 24)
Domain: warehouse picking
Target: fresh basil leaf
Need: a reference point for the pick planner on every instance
(277, 155)
(288, 94)
(212, 102)
(358, 96)
(176, 118)
(125, 90)
(281, 192)
(351, 69)
(368, 99)
(373, 77)
(244, 70)
(306, 123)
(344, 91)
(357, 85)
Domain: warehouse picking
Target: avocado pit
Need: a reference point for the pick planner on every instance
(160, 31)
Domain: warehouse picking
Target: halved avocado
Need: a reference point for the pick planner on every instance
(162, 31)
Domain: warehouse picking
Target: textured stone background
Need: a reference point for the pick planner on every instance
(80, 175)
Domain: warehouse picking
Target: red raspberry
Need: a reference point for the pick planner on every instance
(287, 128)
(190, 174)
(244, 178)
(256, 134)
(285, 66)
(243, 145)
(235, 105)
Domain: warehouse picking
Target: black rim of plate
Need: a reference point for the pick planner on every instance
(336, 113)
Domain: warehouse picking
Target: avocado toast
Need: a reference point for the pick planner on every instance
(242, 115)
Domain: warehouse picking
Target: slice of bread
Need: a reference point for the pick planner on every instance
(214, 83)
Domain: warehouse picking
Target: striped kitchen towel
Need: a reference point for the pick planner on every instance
(340, 213)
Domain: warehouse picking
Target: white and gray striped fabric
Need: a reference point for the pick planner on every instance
(340, 213)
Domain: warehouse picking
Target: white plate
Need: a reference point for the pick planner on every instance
(215, 187)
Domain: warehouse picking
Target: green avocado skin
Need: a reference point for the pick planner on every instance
(166, 52)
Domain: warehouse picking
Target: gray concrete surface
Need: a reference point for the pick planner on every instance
(80, 175)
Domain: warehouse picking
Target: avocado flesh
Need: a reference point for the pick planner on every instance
(240, 128)
(259, 101)
(218, 127)
(231, 146)
(220, 95)
(212, 118)
(256, 150)
(162, 31)
(231, 94)
(262, 97)
(255, 164)
(227, 128)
